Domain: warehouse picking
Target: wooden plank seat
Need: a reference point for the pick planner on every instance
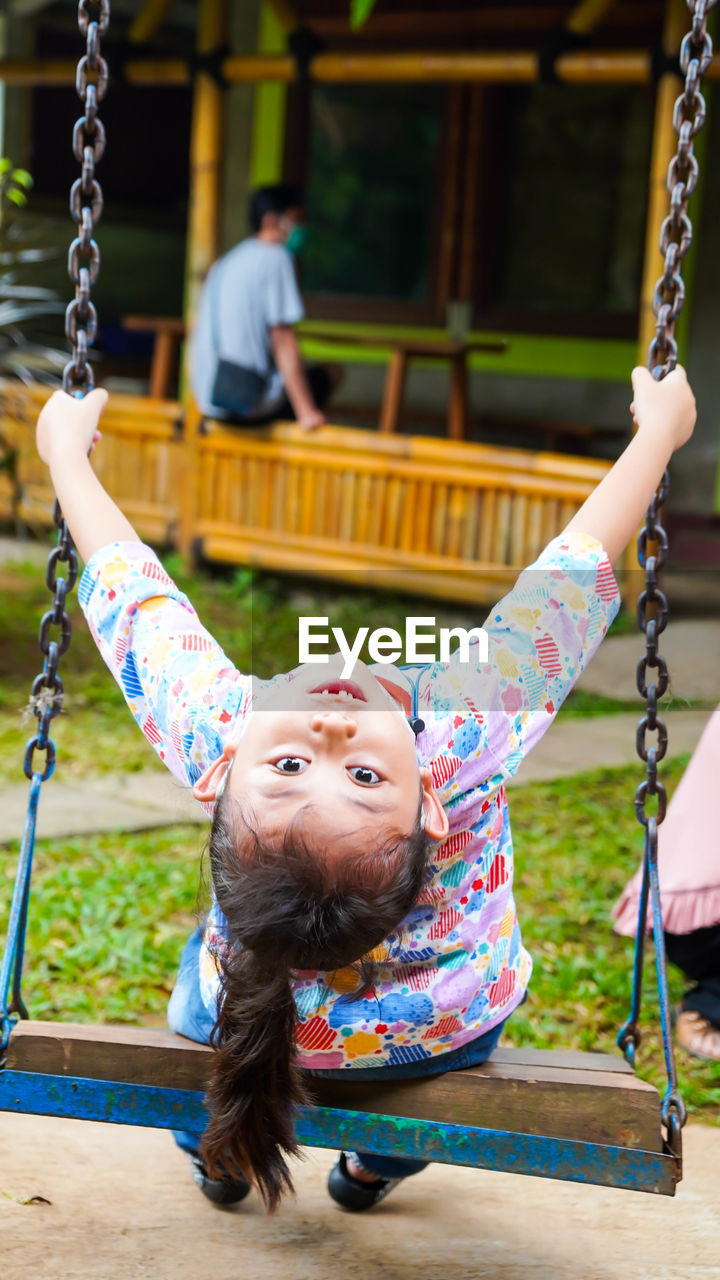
(558, 1101)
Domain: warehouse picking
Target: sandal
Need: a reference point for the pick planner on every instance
(697, 1035)
(353, 1194)
(219, 1190)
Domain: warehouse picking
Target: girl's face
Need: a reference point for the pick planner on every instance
(343, 750)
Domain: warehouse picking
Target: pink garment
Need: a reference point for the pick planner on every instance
(688, 848)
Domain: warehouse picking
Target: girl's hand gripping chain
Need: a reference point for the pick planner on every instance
(69, 425)
(67, 430)
(664, 413)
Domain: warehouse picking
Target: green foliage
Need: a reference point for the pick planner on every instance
(14, 183)
(108, 920)
(577, 842)
(360, 11)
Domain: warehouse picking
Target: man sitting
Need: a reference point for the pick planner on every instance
(245, 360)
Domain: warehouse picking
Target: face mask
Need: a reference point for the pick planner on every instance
(297, 240)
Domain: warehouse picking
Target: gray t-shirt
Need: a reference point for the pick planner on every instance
(249, 289)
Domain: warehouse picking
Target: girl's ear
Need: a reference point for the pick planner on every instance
(435, 819)
(211, 784)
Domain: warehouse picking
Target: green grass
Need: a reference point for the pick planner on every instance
(108, 917)
(577, 841)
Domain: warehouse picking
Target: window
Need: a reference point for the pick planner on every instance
(526, 203)
(571, 198)
(373, 157)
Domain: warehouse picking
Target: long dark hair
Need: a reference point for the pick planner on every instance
(286, 909)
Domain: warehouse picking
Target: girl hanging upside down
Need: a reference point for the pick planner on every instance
(362, 916)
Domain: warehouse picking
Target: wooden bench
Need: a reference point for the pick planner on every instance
(452, 353)
(581, 1117)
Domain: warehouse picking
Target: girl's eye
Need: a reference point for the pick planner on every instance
(291, 764)
(366, 777)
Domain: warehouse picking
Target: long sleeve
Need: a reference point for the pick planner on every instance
(182, 690)
(540, 638)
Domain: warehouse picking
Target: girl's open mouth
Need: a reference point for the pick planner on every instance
(341, 689)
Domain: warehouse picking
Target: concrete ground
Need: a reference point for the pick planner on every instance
(122, 1204)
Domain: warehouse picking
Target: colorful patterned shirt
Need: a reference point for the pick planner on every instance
(457, 966)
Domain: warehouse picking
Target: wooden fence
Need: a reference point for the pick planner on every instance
(428, 516)
(140, 460)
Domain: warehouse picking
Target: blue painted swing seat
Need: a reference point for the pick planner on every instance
(571, 1116)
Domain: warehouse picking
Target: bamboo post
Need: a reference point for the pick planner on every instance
(149, 20)
(206, 158)
(587, 16)
(663, 148)
(206, 161)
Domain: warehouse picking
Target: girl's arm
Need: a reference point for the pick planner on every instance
(664, 413)
(66, 431)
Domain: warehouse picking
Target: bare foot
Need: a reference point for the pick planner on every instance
(361, 1175)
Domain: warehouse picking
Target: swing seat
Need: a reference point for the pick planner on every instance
(578, 1117)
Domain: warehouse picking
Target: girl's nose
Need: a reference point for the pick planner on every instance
(333, 724)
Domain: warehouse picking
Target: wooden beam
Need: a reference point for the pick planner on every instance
(149, 20)
(587, 1097)
(512, 67)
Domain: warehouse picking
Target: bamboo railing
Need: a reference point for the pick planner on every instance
(140, 460)
(431, 517)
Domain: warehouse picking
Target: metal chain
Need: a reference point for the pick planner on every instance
(86, 198)
(652, 608)
(80, 328)
(86, 203)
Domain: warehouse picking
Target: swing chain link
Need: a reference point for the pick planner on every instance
(696, 53)
(86, 197)
(88, 144)
(689, 113)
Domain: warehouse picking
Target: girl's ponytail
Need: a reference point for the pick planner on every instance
(255, 1085)
(287, 907)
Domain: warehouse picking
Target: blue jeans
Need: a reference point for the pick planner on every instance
(188, 1016)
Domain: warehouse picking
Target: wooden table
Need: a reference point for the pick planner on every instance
(169, 332)
(455, 354)
(403, 350)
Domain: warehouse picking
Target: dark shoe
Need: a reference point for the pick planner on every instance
(353, 1194)
(221, 1190)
